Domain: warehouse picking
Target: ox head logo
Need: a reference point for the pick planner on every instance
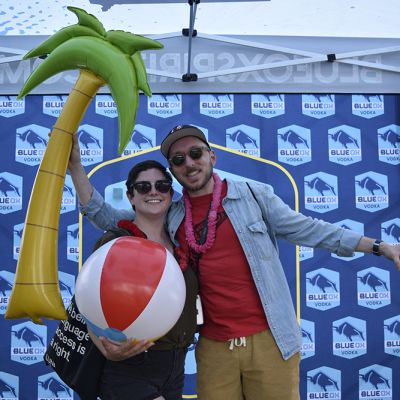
(6, 388)
(348, 330)
(373, 281)
(393, 231)
(65, 287)
(321, 186)
(7, 187)
(322, 283)
(293, 138)
(391, 137)
(55, 387)
(32, 138)
(306, 335)
(393, 327)
(140, 140)
(323, 381)
(242, 139)
(375, 379)
(371, 185)
(87, 140)
(372, 97)
(344, 139)
(74, 233)
(5, 285)
(28, 336)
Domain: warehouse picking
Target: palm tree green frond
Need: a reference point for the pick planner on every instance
(60, 37)
(104, 60)
(88, 20)
(129, 43)
(141, 74)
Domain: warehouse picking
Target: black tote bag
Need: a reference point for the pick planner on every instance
(73, 355)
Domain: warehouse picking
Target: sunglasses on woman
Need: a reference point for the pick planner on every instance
(143, 187)
(195, 153)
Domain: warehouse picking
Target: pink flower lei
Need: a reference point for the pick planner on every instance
(211, 218)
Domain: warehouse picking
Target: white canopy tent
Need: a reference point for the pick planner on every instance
(302, 46)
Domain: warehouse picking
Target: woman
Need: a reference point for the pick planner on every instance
(144, 370)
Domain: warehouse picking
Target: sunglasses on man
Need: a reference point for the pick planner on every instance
(195, 153)
(144, 187)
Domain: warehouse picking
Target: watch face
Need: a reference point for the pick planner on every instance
(375, 247)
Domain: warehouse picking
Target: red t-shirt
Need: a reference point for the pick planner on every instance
(231, 304)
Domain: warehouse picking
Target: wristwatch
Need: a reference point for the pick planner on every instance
(375, 247)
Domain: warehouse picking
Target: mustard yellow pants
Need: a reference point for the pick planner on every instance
(250, 368)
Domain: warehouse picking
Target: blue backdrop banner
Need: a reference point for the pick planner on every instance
(334, 157)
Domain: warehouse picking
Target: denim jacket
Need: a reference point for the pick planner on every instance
(257, 226)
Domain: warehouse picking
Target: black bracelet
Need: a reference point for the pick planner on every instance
(375, 247)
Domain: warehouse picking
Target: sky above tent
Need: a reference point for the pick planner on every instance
(341, 18)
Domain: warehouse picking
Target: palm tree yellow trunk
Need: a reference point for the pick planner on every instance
(36, 291)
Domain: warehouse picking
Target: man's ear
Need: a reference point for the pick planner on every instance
(213, 157)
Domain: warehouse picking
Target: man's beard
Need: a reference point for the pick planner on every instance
(202, 185)
(197, 187)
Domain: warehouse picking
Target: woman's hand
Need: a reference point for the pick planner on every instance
(121, 351)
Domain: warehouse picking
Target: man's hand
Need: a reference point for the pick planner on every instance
(392, 252)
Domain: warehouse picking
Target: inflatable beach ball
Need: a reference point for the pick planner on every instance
(130, 288)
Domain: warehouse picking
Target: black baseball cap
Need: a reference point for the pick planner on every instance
(179, 132)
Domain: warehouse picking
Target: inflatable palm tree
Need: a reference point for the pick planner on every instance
(103, 57)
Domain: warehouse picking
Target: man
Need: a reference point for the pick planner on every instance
(250, 340)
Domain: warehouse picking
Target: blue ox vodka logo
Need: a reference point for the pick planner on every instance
(91, 144)
(53, 105)
(373, 288)
(143, 137)
(308, 335)
(67, 287)
(73, 242)
(10, 193)
(324, 383)
(30, 144)
(391, 230)
(349, 338)
(322, 289)
(321, 192)
(28, 343)
(268, 105)
(294, 145)
(51, 387)
(6, 285)
(372, 191)
(354, 226)
(389, 144)
(18, 230)
(244, 138)
(216, 105)
(11, 107)
(344, 145)
(306, 253)
(391, 328)
(106, 106)
(318, 105)
(165, 105)
(68, 201)
(367, 105)
(375, 383)
(9, 386)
